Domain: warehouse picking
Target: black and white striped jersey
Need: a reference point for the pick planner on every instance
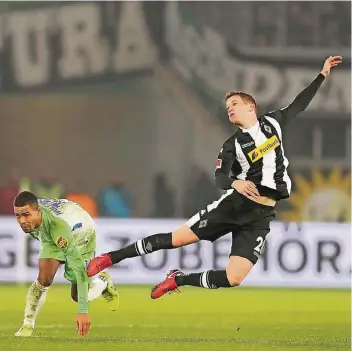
(257, 154)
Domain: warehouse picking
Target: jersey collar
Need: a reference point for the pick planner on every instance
(254, 127)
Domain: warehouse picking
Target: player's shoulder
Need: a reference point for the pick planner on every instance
(273, 116)
(230, 142)
(264, 117)
(59, 224)
(269, 120)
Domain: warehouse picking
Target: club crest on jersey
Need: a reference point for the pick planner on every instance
(61, 242)
(267, 128)
(218, 163)
(264, 149)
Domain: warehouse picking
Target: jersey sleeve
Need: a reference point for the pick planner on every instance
(62, 236)
(299, 104)
(226, 159)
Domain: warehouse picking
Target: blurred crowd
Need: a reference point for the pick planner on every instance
(115, 200)
(278, 24)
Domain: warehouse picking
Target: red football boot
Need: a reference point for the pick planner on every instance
(167, 286)
(98, 264)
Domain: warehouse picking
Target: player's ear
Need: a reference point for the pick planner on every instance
(250, 106)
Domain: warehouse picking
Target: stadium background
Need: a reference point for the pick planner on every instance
(118, 106)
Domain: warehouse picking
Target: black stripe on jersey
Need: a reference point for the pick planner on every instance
(279, 159)
(254, 173)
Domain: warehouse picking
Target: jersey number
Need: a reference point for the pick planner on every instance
(259, 248)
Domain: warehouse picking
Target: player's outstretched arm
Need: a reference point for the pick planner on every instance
(303, 99)
(62, 236)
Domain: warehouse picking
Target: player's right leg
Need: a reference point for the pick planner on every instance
(37, 293)
(180, 237)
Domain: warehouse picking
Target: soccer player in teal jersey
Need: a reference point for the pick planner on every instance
(68, 236)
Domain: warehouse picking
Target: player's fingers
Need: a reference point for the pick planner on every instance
(255, 191)
(86, 329)
(252, 188)
(82, 329)
(251, 185)
(251, 195)
(255, 195)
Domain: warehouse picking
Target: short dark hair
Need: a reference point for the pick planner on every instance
(25, 198)
(248, 99)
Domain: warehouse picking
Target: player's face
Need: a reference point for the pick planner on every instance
(28, 217)
(237, 109)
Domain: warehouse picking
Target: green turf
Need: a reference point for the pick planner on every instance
(244, 319)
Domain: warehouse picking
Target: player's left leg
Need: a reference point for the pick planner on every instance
(37, 293)
(103, 286)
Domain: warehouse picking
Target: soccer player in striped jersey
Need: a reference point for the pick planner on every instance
(252, 168)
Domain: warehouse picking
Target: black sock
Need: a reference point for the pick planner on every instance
(208, 280)
(143, 247)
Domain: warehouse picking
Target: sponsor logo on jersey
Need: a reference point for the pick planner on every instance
(61, 242)
(254, 155)
(218, 163)
(247, 144)
(264, 149)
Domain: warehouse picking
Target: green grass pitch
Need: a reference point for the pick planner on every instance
(243, 319)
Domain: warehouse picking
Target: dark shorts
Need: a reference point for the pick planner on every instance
(248, 222)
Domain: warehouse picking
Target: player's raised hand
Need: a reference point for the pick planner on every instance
(246, 188)
(330, 62)
(83, 324)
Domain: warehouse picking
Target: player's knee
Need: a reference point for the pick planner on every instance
(45, 281)
(234, 281)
